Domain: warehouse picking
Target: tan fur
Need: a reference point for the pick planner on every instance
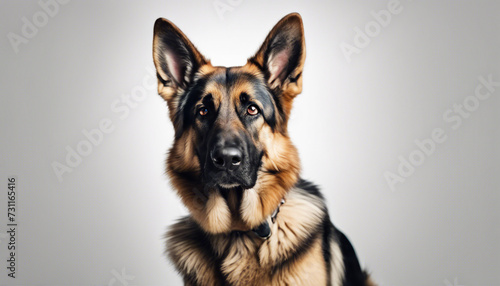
(191, 259)
(337, 263)
(297, 217)
(369, 282)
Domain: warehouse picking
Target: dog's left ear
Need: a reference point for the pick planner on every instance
(282, 56)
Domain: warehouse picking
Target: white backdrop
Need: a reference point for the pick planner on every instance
(398, 123)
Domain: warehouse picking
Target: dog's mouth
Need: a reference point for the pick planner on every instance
(229, 186)
(226, 180)
(235, 181)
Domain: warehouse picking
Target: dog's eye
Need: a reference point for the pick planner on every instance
(203, 111)
(252, 110)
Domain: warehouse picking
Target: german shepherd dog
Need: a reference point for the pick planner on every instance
(253, 220)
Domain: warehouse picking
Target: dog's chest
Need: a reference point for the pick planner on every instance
(249, 260)
(292, 255)
(240, 263)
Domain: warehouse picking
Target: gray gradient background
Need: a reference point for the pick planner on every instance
(350, 124)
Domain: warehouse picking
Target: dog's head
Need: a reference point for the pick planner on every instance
(232, 160)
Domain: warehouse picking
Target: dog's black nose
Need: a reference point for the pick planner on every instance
(228, 158)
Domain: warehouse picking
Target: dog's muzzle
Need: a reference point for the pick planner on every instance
(230, 161)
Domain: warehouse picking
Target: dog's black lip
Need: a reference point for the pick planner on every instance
(239, 187)
(224, 191)
(228, 178)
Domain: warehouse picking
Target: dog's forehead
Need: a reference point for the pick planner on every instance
(226, 84)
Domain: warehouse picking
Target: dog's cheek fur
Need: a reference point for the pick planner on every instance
(181, 157)
(218, 216)
(279, 173)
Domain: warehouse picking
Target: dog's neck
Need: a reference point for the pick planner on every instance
(264, 230)
(233, 199)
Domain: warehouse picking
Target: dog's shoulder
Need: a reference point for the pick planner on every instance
(189, 249)
(310, 188)
(341, 260)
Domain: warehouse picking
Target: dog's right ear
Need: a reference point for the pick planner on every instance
(176, 59)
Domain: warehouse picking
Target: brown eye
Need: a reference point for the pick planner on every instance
(252, 110)
(203, 111)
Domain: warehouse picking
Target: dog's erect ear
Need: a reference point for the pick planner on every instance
(176, 59)
(282, 55)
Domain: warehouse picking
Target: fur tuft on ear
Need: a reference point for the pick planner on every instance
(282, 55)
(176, 59)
